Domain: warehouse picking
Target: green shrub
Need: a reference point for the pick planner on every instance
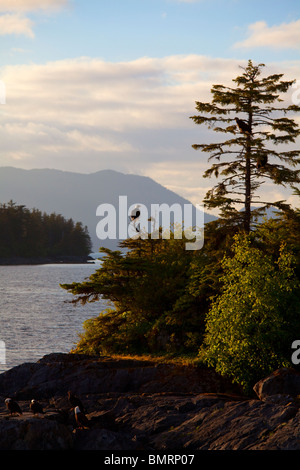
(252, 323)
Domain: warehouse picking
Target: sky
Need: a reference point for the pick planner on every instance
(111, 84)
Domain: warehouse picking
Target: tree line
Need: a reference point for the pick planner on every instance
(29, 233)
(235, 304)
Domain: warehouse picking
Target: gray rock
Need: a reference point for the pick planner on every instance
(29, 433)
(55, 374)
(139, 405)
(284, 381)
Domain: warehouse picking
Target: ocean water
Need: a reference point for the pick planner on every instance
(36, 316)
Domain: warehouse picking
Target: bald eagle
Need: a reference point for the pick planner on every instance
(243, 126)
(134, 215)
(36, 407)
(75, 401)
(80, 418)
(13, 406)
(261, 161)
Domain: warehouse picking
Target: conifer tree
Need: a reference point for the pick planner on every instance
(253, 115)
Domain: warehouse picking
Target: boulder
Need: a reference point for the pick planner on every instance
(282, 382)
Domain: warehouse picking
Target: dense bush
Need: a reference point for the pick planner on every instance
(252, 322)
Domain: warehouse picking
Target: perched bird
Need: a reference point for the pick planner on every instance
(80, 418)
(243, 126)
(262, 161)
(75, 401)
(36, 407)
(13, 406)
(134, 215)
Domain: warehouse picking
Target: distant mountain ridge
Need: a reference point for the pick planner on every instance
(77, 195)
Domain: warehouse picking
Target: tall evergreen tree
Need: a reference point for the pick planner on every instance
(252, 112)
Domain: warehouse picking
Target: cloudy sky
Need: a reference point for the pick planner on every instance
(111, 84)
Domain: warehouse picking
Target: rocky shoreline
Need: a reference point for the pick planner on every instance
(137, 405)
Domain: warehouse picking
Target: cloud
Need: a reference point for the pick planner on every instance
(87, 114)
(146, 93)
(284, 36)
(31, 5)
(15, 23)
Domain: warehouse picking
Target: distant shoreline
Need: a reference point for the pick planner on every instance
(18, 261)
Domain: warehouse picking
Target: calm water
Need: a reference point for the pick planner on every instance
(35, 315)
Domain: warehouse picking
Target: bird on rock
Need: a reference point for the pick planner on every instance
(36, 407)
(75, 401)
(80, 418)
(13, 406)
(243, 126)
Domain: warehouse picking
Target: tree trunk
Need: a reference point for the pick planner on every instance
(247, 215)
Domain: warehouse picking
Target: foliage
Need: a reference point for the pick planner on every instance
(238, 303)
(252, 322)
(30, 233)
(273, 231)
(148, 285)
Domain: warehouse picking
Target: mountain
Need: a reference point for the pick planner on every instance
(77, 195)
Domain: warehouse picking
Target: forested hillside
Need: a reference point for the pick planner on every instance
(30, 234)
